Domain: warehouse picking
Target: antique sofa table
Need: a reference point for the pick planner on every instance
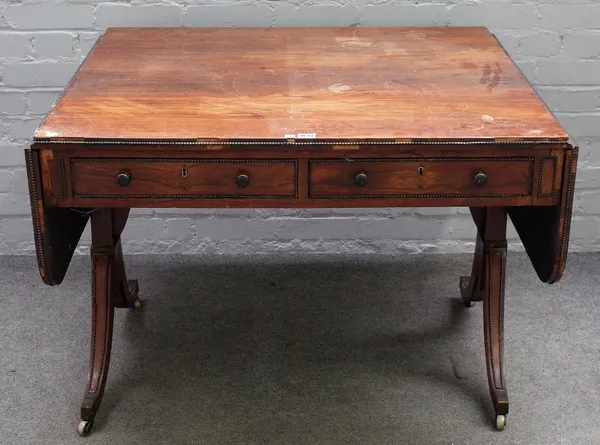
(299, 117)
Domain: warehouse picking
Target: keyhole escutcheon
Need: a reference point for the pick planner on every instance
(184, 171)
(421, 170)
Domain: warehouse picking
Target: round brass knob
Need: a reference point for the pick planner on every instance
(480, 179)
(242, 180)
(361, 179)
(123, 179)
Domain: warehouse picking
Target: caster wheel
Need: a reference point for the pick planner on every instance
(466, 291)
(84, 427)
(138, 303)
(500, 422)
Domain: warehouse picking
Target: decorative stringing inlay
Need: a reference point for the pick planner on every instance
(568, 211)
(422, 159)
(491, 254)
(541, 176)
(530, 159)
(188, 160)
(35, 210)
(295, 142)
(63, 179)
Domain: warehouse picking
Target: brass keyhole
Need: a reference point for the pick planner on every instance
(184, 171)
(421, 170)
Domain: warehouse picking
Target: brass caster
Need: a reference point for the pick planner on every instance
(466, 291)
(500, 422)
(138, 303)
(84, 427)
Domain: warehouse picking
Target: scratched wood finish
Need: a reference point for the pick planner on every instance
(443, 178)
(263, 84)
(164, 177)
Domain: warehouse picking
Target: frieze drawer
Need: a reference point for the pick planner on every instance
(425, 177)
(183, 178)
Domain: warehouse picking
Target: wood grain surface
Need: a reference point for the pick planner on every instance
(447, 178)
(168, 177)
(176, 84)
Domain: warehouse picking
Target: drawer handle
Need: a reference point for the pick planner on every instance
(242, 181)
(480, 179)
(361, 179)
(123, 179)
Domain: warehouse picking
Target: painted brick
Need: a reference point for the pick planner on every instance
(589, 200)
(398, 14)
(589, 151)
(84, 42)
(19, 183)
(331, 228)
(55, 44)
(4, 129)
(38, 74)
(540, 44)
(563, 72)
(587, 178)
(424, 211)
(567, 16)
(23, 129)
(144, 228)
(585, 227)
(3, 21)
(40, 102)
(238, 228)
(458, 228)
(14, 204)
(493, 15)
(12, 103)
(16, 229)
(582, 45)
(5, 180)
(403, 227)
(570, 100)
(317, 15)
(581, 124)
(529, 69)
(117, 14)
(14, 45)
(228, 15)
(12, 156)
(179, 228)
(50, 16)
(509, 39)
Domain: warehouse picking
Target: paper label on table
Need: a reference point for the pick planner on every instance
(307, 135)
(289, 136)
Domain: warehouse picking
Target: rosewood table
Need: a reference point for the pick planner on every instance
(299, 117)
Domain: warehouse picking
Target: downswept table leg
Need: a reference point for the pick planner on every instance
(101, 333)
(493, 326)
(108, 292)
(487, 284)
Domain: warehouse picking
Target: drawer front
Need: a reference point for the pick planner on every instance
(183, 178)
(421, 177)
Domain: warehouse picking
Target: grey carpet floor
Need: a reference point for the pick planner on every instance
(301, 350)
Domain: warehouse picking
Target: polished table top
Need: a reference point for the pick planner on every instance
(399, 84)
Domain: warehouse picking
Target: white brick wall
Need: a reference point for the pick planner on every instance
(555, 42)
